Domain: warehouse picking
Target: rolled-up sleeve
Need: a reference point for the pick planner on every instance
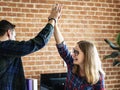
(64, 53)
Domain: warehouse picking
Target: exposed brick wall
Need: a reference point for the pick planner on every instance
(92, 20)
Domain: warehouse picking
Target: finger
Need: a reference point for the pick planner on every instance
(53, 7)
(57, 7)
(59, 17)
(60, 8)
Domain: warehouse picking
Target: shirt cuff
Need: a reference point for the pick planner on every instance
(60, 45)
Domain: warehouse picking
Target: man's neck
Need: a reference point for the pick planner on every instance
(3, 38)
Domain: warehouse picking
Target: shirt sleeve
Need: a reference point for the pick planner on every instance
(100, 85)
(21, 48)
(64, 53)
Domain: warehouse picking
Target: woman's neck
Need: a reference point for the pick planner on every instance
(82, 72)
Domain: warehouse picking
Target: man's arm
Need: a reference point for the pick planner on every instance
(16, 48)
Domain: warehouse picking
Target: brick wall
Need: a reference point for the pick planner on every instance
(92, 20)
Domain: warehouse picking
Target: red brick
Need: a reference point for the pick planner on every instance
(20, 5)
(16, 10)
(109, 1)
(11, 14)
(26, 1)
(116, 1)
(38, 1)
(6, 9)
(90, 4)
(2, 14)
(29, 5)
(112, 5)
(26, 10)
(110, 86)
(16, 0)
(3, 3)
(101, 9)
(98, 4)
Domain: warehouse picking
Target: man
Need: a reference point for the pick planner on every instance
(11, 69)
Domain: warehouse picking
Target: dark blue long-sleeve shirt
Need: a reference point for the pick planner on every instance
(11, 69)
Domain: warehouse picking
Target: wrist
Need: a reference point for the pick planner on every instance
(49, 19)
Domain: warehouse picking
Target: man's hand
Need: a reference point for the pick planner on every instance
(55, 12)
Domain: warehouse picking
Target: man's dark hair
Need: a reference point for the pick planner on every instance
(5, 26)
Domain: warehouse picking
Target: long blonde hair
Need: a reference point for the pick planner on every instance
(92, 63)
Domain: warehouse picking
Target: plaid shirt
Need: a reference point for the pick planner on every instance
(11, 69)
(74, 82)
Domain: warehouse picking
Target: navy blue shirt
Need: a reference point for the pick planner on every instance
(11, 69)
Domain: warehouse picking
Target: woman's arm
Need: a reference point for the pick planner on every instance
(61, 46)
(57, 34)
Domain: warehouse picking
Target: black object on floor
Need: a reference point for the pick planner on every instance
(53, 81)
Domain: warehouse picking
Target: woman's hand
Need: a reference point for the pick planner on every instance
(55, 12)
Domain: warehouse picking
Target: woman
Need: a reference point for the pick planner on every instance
(83, 64)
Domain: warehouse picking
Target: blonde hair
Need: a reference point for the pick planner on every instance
(92, 63)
